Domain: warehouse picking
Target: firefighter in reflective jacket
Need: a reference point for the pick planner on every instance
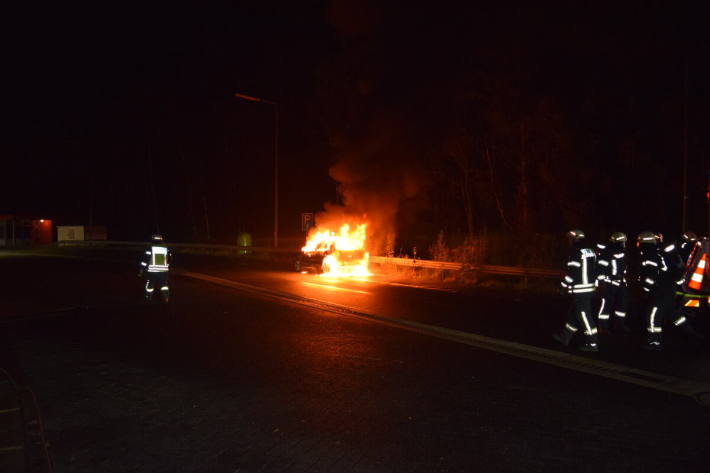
(581, 282)
(663, 284)
(155, 266)
(695, 291)
(647, 244)
(612, 282)
(686, 245)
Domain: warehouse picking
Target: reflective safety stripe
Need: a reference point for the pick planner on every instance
(600, 246)
(669, 248)
(652, 319)
(646, 289)
(649, 263)
(698, 277)
(692, 303)
(601, 309)
(574, 263)
(157, 269)
(588, 289)
(603, 262)
(588, 330)
(147, 287)
(613, 268)
(143, 263)
(619, 255)
(619, 313)
(616, 283)
(147, 252)
(603, 316)
(680, 321)
(164, 288)
(568, 279)
(571, 327)
(650, 281)
(585, 276)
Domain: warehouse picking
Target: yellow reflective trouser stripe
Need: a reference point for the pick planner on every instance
(691, 296)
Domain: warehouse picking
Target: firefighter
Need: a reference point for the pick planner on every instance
(581, 282)
(647, 245)
(155, 267)
(685, 245)
(695, 291)
(612, 282)
(663, 281)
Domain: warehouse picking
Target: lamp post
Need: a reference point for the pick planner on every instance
(276, 159)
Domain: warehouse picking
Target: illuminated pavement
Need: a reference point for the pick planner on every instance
(222, 381)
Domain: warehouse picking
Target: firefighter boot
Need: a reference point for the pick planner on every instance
(653, 342)
(590, 344)
(564, 336)
(603, 324)
(619, 325)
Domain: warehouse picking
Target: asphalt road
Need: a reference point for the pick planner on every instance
(224, 380)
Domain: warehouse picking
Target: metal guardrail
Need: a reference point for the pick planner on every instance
(417, 263)
(452, 266)
(383, 260)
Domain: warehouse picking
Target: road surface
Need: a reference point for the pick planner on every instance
(229, 379)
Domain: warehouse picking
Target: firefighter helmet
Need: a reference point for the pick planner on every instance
(647, 237)
(659, 237)
(689, 237)
(618, 237)
(576, 234)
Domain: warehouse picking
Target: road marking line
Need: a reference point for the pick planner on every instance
(11, 448)
(695, 389)
(334, 288)
(428, 288)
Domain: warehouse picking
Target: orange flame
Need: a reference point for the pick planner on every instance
(344, 252)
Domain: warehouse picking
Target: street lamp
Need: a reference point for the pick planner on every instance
(276, 159)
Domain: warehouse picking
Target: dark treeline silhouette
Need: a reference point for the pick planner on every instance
(485, 122)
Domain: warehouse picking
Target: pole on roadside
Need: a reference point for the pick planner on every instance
(276, 159)
(684, 223)
(276, 175)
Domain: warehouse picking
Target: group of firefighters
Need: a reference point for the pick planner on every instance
(671, 276)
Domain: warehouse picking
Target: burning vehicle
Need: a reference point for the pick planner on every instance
(340, 253)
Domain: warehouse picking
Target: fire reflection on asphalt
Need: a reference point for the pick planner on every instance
(334, 288)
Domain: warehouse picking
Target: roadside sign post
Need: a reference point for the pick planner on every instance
(306, 221)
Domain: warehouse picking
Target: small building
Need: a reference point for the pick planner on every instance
(70, 233)
(23, 231)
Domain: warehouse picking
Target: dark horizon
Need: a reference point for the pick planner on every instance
(580, 109)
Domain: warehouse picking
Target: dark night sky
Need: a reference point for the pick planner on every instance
(99, 95)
